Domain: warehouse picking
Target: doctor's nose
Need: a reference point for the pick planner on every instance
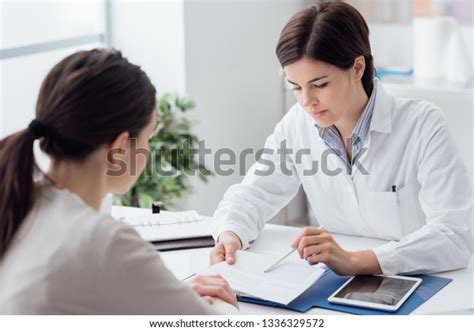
(308, 100)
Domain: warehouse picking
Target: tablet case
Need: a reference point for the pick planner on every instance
(316, 296)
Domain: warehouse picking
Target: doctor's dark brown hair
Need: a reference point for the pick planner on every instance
(85, 101)
(331, 32)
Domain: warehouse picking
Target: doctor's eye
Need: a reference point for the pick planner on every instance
(296, 88)
(321, 86)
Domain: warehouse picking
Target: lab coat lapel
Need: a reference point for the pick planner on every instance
(381, 123)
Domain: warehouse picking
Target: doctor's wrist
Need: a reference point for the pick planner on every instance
(364, 263)
(230, 236)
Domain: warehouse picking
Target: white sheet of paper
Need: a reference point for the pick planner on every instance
(282, 285)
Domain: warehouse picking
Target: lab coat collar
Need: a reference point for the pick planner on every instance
(382, 116)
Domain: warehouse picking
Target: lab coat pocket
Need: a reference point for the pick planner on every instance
(393, 215)
(384, 215)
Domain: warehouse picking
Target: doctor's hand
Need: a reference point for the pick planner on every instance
(317, 245)
(227, 244)
(213, 288)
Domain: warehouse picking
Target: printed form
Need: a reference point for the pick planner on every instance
(283, 284)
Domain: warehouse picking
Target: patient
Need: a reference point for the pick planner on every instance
(58, 254)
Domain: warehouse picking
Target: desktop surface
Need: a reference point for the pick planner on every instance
(456, 297)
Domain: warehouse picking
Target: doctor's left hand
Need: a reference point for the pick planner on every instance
(317, 245)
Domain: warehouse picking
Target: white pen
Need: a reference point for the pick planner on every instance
(270, 268)
(187, 277)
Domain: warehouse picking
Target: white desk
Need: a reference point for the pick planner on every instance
(274, 241)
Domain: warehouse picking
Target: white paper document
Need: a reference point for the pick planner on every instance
(282, 285)
(170, 225)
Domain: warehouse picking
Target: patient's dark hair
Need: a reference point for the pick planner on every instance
(85, 101)
(331, 32)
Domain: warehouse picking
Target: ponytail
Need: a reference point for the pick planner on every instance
(17, 196)
(85, 101)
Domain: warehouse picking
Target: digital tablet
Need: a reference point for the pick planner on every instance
(376, 292)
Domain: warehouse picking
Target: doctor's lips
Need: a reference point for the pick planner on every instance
(318, 113)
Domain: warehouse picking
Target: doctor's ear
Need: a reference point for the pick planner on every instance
(359, 67)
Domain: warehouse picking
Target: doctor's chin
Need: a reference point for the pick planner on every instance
(229, 164)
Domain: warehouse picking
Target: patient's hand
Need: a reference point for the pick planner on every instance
(225, 248)
(213, 288)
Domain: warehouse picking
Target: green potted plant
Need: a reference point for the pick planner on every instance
(171, 160)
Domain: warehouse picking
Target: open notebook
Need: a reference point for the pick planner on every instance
(282, 285)
(173, 230)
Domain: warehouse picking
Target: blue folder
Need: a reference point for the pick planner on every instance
(318, 293)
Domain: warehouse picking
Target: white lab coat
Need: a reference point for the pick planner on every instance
(427, 219)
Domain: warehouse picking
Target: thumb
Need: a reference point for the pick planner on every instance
(230, 249)
(296, 241)
(217, 254)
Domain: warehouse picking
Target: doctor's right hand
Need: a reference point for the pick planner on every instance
(227, 244)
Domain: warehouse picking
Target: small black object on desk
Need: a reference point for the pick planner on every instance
(188, 243)
(156, 207)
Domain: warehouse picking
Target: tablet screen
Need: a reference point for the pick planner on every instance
(376, 289)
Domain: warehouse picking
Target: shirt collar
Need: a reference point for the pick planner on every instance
(361, 129)
(383, 109)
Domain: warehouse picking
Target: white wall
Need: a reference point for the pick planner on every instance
(30, 22)
(392, 45)
(233, 75)
(24, 24)
(151, 34)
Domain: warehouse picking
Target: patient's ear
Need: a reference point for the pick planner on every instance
(120, 141)
(117, 150)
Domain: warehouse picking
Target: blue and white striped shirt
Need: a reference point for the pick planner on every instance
(333, 140)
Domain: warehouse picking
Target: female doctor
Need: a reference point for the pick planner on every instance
(370, 164)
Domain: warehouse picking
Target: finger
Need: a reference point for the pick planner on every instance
(230, 248)
(309, 241)
(215, 276)
(218, 292)
(306, 242)
(296, 241)
(223, 284)
(208, 299)
(217, 254)
(308, 231)
(317, 258)
(209, 279)
(215, 280)
(311, 230)
(314, 249)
